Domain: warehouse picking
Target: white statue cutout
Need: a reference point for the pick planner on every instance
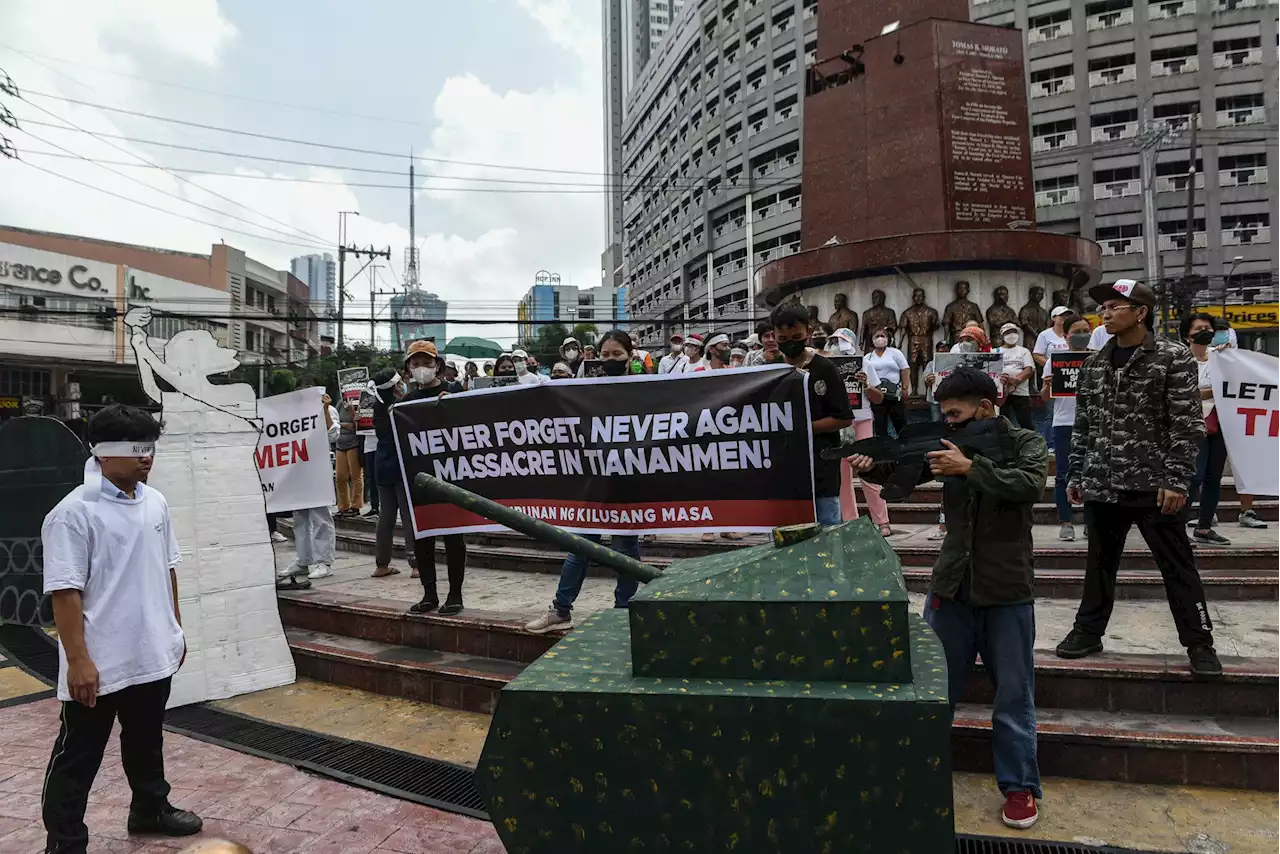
(205, 469)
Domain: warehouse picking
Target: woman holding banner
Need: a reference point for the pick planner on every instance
(615, 354)
(1076, 333)
(1197, 332)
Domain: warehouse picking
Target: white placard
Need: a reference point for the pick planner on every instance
(1244, 394)
(293, 451)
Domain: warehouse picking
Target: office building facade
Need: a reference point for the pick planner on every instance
(711, 163)
(1106, 77)
(320, 274)
(419, 316)
(546, 302)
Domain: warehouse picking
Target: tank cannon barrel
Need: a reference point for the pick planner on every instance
(432, 489)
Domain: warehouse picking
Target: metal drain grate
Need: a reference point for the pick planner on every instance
(1002, 845)
(392, 772)
(32, 650)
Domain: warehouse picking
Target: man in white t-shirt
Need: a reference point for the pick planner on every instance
(109, 558)
(1017, 366)
(669, 364)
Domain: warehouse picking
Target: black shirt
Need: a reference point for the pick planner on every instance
(827, 398)
(1120, 356)
(432, 391)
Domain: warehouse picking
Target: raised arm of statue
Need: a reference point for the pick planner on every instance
(149, 364)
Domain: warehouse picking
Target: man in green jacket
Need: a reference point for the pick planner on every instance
(981, 599)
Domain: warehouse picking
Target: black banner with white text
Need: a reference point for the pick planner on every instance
(702, 452)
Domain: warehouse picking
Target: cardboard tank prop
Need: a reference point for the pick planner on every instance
(774, 698)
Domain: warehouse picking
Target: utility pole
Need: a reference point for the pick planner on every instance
(343, 251)
(373, 288)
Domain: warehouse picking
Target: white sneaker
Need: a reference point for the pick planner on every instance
(550, 621)
(1249, 519)
(937, 535)
(277, 537)
(292, 569)
(320, 570)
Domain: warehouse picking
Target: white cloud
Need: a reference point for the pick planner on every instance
(483, 262)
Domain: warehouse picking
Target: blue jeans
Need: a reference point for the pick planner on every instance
(1005, 637)
(1206, 484)
(1046, 429)
(574, 571)
(828, 510)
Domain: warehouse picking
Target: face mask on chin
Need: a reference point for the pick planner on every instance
(1078, 341)
(791, 349)
(423, 375)
(614, 367)
(1011, 339)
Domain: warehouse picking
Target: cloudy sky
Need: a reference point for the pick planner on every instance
(500, 83)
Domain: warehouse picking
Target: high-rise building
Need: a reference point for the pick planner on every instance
(633, 29)
(1106, 77)
(320, 274)
(710, 151)
(548, 301)
(418, 316)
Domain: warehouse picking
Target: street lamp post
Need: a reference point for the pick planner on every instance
(1235, 262)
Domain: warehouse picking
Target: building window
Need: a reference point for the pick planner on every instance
(25, 381)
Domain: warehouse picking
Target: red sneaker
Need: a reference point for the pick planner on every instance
(1020, 810)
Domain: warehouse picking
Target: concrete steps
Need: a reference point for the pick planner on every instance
(1227, 573)
(1134, 718)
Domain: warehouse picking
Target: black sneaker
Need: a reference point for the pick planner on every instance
(1078, 645)
(169, 821)
(1210, 537)
(1204, 661)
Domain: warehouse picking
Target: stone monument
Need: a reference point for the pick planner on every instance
(918, 323)
(1033, 318)
(876, 318)
(999, 313)
(960, 311)
(844, 317)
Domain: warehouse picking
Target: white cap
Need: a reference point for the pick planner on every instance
(519, 354)
(1059, 310)
(1010, 326)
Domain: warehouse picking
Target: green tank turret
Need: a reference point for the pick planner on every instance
(774, 698)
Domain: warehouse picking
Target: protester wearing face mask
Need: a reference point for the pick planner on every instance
(890, 365)
(669, 363)
(972, 339)
(504, 367)
(1053, 338)
(844, 343)
(737, 355)
(615, 355)
(561, 371)
(488, 369)
(571, 353)
(419, 361)
(717, 353)
(1211, 460)
(693, 355)
(821, 335)
(526, 368)
(828, 404)
(1016, 368)
(1075, 337)
(981, 599)
(469, 373)
(389, 388)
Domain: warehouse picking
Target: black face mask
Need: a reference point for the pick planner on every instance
(791, 349)
(614, 367)
(1204, 337)
(957, 426)
(1078, 341)
(722, 353)
(819, 343)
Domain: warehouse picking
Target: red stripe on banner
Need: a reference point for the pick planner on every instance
(652, 516)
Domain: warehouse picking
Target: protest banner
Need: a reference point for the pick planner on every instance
(704, 452)
(989, 363)
(1244, 395)
(593, 368)
(1064, 371)
(353, 387)
(849, 368)
(293, 451)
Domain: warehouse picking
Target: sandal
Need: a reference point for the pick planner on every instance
(731, 535)
(886, 531)
(384, 571)
(293, 582)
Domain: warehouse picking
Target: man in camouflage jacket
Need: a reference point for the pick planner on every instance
(1139, 425)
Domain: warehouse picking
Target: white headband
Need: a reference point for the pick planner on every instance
(123, 449)
(395, 379)
(93, 471)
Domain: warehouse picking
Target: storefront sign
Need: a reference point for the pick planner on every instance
(23, 267)
(1064, 369)
(701, 452)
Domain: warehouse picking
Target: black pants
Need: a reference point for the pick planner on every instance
(889, 411)
(455, 556)
(1017, 408)
(1206, 483)
(370, 480)
(1166, 536)
(77, 755)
